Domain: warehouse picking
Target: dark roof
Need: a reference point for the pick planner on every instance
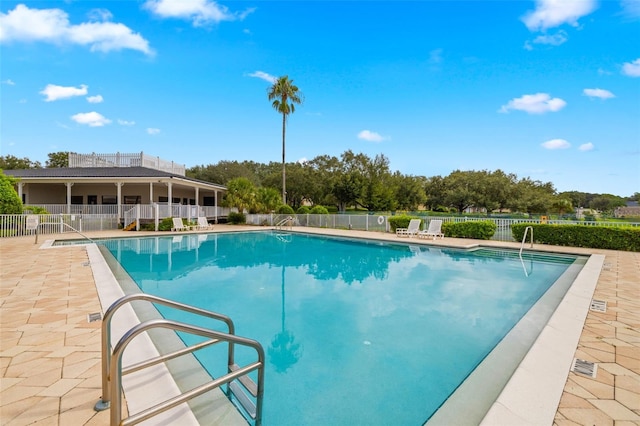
(98, 172)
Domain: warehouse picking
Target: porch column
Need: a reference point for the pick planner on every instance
(68, 185)
(170, 197)
(197, 196)
(150, 192)
(20, 185)
(215, 206)
(119, 197)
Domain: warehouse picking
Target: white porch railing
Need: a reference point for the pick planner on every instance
(105, 209)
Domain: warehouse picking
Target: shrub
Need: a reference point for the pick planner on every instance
(150, 226)
(303, 210)
(480, 230)
(165, 224)
(332, 209)
(10, 202)
(401, 221)
(237, 218)
(285, 209)
(319, 210)
(35, 210)
(624, 238)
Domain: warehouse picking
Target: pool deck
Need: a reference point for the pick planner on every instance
(50, 353)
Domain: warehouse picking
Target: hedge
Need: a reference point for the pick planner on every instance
(401, 221)
(624, 238)
(480, 229)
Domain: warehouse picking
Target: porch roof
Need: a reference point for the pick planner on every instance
(100, 174)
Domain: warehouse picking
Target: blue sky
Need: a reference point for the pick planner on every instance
(546, 89)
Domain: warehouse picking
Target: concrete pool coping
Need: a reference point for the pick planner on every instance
(610, 338)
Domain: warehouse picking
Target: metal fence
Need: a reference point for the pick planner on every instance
(18, 225)
(380, 223)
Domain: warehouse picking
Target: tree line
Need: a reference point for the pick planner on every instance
(355, 180)
(359, 181)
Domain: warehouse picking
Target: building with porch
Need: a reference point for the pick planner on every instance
(113, 184)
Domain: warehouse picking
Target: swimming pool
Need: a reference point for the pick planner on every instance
(355, 332)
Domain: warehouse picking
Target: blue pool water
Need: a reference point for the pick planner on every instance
(355, 332)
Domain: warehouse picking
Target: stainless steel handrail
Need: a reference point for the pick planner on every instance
(104, 402)
(281, 223)
(61, 223)
(524, 237)
(116, 371)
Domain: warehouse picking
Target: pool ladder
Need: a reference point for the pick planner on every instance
(237, 380)
(287, 221)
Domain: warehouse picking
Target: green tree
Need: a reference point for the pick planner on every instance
(57, 160)
(10, 202)
(577, 199)
(459, 190)
(10, 162)
(561, 205)
(409, 191)
(606, 203)
(267, 199)
(435, 188)
(533, 197)
(241, 194)
(284, 96)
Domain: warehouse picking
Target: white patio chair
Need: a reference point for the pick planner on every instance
(434, 230)
(412, 229)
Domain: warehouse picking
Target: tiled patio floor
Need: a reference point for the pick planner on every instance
(50, 353)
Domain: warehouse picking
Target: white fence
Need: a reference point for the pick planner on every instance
(18, 225)
(125, 160)
(381, 223)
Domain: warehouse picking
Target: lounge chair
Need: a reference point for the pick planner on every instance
(203, 223)
(434, 230)
(412, 229)
(179, 226)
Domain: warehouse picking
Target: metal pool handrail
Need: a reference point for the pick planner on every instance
(524, 237)
(238, 373)
(104, 402)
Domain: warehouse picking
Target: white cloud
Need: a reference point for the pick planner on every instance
(556, 144)
(632, 69)
(555, 40)
(100, 15)
(95, 99)
(631, 8)
(91, 119)
(370, 136)
(534, 104)
(435, 56)
(8, 82)
(53, 26)
(586, 147)
(598, 93)
(153, 131)
(263, 75)
(54, 92)
(199, 12)
(554, 13)
(126, 123)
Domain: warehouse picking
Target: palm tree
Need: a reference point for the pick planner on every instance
(284, 95)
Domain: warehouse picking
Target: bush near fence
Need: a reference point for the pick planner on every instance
(396, 222)
(480, 230)
(601, 237)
